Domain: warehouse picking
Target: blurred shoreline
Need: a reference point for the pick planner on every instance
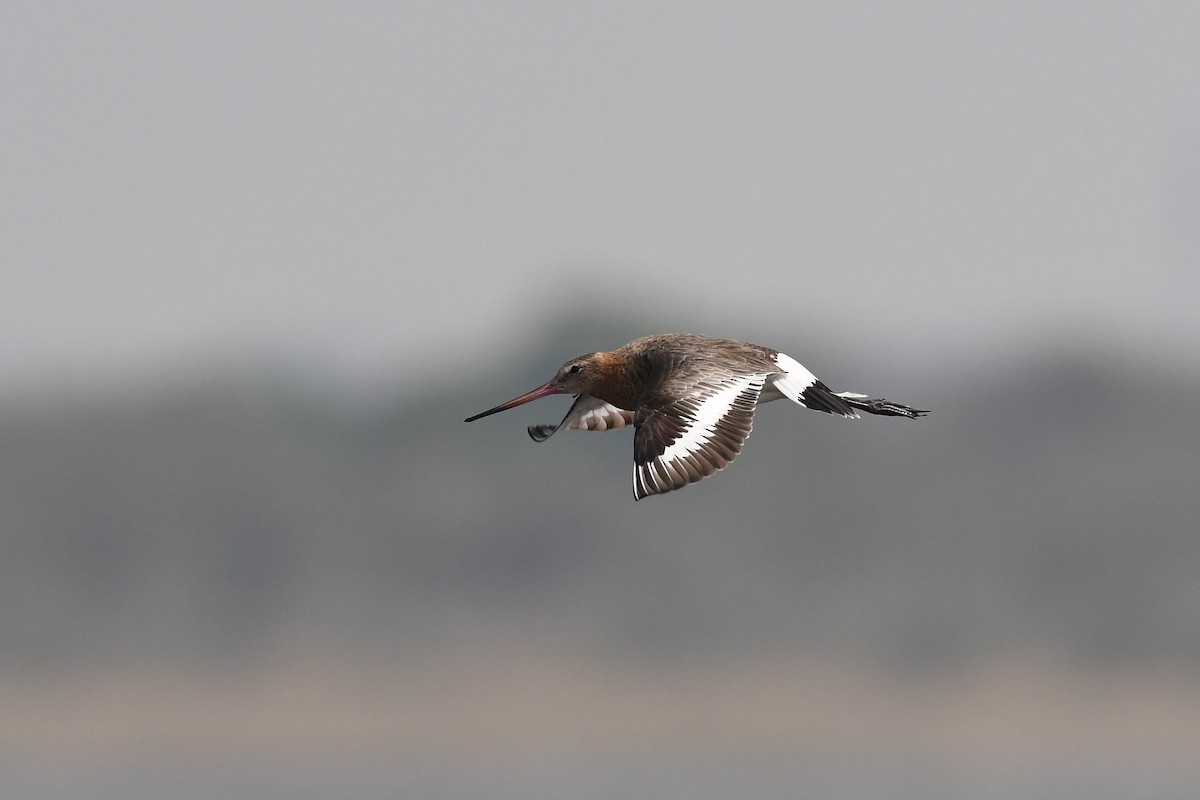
(230, 578)
(481, 704)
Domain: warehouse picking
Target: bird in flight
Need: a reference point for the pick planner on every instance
(690, 400)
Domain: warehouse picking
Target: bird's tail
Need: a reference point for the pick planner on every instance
(877, 405)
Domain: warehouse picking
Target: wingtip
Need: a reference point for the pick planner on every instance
(540, 433)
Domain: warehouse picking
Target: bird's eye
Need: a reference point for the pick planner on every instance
(574, 368)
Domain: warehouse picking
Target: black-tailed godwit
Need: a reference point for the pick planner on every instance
(690, 399)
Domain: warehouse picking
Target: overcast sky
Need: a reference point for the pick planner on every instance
(378, 185)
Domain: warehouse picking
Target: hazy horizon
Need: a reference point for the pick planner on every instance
(374, 188)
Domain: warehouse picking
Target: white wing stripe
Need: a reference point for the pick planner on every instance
(712, 410)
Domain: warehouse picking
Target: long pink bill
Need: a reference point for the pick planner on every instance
(548, 388)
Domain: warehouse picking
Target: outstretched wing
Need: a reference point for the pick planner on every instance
(586, 413)
(690, 433)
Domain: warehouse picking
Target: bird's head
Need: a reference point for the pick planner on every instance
(576, 376)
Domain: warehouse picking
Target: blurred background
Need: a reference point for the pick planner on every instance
(259, 260)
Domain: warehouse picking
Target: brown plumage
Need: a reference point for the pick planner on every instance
(690, 398)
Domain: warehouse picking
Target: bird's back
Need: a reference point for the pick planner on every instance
(678, 362)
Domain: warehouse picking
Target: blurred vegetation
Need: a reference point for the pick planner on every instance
(1048, 506)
